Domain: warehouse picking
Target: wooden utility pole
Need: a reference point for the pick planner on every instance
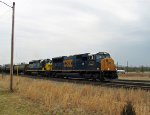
(12, 44)
(12, 48)
(127, 66)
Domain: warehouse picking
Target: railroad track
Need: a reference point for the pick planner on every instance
(113, 84)
(143, 81)
(128, 84)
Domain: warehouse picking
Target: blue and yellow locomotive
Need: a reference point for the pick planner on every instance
(39, 67)
(97, 66)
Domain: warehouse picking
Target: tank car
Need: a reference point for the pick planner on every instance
(6, 68)
(20, 68)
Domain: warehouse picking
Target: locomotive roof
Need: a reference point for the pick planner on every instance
(39, 60)
(35, 60)
(59, 57)
(80, 54)
(70, 55)
(20, 64)
(102, 53)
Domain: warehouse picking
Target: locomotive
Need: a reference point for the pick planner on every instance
(99, 66)
(39, 67)
(96, 66)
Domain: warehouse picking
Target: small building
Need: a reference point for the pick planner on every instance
(121, 71)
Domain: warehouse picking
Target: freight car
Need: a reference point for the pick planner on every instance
(99, 66)
(20, 68)
(6, 68)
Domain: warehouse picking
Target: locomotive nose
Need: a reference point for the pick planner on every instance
(107, 64)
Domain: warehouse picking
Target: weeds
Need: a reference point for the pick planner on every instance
(67, 98)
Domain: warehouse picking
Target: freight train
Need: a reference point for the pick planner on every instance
(99, 66)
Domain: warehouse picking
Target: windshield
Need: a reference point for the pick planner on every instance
(107, 55)
(101, 56)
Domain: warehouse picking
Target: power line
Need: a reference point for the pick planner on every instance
(6, 4)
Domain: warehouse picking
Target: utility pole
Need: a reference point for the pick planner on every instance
(127, 66)
(117, 65)
(12, 44)
(12, 48)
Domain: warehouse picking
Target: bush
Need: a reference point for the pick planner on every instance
(128, 109)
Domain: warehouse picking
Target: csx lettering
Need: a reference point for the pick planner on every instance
(67, 63)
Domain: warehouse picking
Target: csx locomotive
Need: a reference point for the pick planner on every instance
(99, 66)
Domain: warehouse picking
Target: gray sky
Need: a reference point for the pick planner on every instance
(50, 28)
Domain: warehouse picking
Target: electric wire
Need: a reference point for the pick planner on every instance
(6, 4)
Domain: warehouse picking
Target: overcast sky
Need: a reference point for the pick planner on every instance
(51, 28)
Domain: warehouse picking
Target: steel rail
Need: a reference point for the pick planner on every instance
(139, 81)
(113, 84)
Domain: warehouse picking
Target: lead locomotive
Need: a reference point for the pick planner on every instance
(97, 66)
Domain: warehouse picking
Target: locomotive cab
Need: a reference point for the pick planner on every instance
(102, 55)
(106, 65)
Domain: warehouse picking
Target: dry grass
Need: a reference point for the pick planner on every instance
(13, 104)
(67, 98)
(135, 76)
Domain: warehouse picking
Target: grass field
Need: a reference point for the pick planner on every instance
(39, 97)
(135, 76)
(13, 104)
